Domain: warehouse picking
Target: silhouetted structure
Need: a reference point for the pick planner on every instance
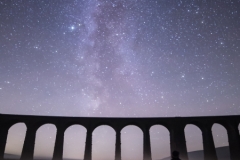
(175, 125)
(175, 155)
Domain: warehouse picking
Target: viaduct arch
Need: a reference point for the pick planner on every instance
(175, 125)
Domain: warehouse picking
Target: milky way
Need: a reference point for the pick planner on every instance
(122, 58)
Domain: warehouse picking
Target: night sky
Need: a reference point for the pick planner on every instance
(120, 58)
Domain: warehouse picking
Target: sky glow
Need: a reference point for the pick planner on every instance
(120, 58)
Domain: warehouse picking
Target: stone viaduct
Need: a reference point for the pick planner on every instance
(175, 126)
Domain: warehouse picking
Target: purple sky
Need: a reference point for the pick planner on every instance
(120, 58)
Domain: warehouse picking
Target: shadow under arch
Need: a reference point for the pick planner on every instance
(45, 141)
(74, 142)
(15, 140)
(220, 138)
(133, 134)
(103, 143)
(160, 141)
(194, 140)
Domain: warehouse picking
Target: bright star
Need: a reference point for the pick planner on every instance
(72, 28)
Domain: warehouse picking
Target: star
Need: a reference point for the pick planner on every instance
(72, 28)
